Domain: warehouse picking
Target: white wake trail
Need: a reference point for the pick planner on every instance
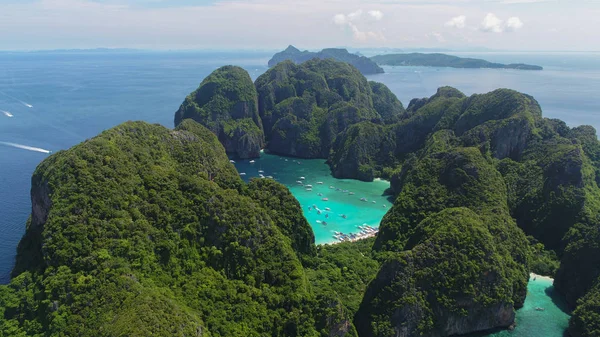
(25, 147)
(6, 113)
(16, 99)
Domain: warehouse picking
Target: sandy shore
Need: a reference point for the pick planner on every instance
(540, 277)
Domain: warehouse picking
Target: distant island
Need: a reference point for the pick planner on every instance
(444, 60)
(362, 63)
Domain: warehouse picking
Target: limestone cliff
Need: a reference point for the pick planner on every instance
(227, 104)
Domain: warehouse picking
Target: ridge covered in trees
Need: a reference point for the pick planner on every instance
(144, 230)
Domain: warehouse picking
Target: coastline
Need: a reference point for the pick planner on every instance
(358, 238)
(540, 277)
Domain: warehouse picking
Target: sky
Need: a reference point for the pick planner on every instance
(528, 25)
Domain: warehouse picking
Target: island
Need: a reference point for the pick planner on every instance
(144, 230)
(444, 60)
(362, 63)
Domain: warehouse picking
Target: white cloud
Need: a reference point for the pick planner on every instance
(355, 19)
(491, 23)
(514, 23)
(355, 15)
(377, 15)
(437, 36)
(340, 19)
(457, 22)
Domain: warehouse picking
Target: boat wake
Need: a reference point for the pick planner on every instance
(6, 113)
(16, 99)
(25, 147)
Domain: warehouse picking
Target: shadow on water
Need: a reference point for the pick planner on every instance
(557, 299)
(486, 333)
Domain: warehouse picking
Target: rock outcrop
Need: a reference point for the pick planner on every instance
(585, 321)
(291, 53)
(227, 104)
(304, 107)
(430, 290)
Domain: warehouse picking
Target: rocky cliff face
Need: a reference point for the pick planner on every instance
(585, 321)
(227, 104)
(428, 290)
(304, 107)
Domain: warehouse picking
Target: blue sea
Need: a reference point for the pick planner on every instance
(53, 100)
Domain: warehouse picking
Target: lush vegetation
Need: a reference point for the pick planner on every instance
(304, 107)
(443, 60)
(148, 231)
(143, 230)
(586, 318)
(291, 53)
(227, 104)
(452, 277)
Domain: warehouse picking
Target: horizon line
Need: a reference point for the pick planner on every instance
(432, 49)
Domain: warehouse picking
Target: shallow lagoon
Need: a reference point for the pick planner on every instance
(552, 322)
(289, 170)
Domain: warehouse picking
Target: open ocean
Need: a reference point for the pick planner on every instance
(53, 100)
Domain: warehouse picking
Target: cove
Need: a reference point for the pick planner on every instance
(551, 322)
(289, 171)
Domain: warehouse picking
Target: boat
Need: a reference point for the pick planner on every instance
(309, 186)
(232, 161)
(299, 182)
(243, 173)
(344, 216)
(318, 211)
(302, 178)
(260, 175)
(324, 223)
(327, 209)
(261, 171)
(539, 309)
(252, 162)
(320, 194)
(351, 193)
(309, 189)
(325, 199)
(374, 201)
(345, 191)
(319, 183)
(331, 187)
(270, 177)
(363, 199)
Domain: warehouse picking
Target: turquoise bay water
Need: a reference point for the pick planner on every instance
(287, 171)
(551, 322)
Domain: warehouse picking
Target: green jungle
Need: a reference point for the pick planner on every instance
(144, 230)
